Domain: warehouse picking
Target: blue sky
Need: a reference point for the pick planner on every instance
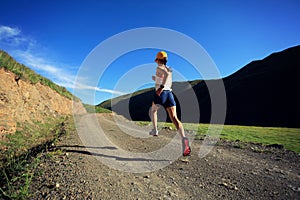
(54, 37)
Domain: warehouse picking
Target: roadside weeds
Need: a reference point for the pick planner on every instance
(19, 154)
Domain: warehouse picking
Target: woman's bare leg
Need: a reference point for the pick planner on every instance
(154, 109)
(173, 116)
(186, 149)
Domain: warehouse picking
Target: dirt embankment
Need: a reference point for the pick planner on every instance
(21, 101)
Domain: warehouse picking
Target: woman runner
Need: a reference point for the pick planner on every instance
(163, 95)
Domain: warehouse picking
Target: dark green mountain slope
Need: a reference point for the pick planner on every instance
(266, 92)
(263, 93)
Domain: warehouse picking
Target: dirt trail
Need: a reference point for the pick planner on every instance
(89, 170)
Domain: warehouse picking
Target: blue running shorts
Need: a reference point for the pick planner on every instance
(166, 99)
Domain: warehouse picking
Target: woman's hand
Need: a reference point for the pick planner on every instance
(159, 91)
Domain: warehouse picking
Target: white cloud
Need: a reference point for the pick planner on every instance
(12, 38)
(37, 63)
(57, 73)
(27, 51)
(86, 87)
(8, 32)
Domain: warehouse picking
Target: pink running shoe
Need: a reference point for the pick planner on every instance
(186, 149)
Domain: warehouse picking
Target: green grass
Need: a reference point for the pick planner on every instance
(18, 160)
(288, 137)
(95, 109)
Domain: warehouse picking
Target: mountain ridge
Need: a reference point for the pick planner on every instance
(262, 93)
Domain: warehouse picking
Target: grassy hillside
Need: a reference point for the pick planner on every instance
(27, 74)
(42, 126)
